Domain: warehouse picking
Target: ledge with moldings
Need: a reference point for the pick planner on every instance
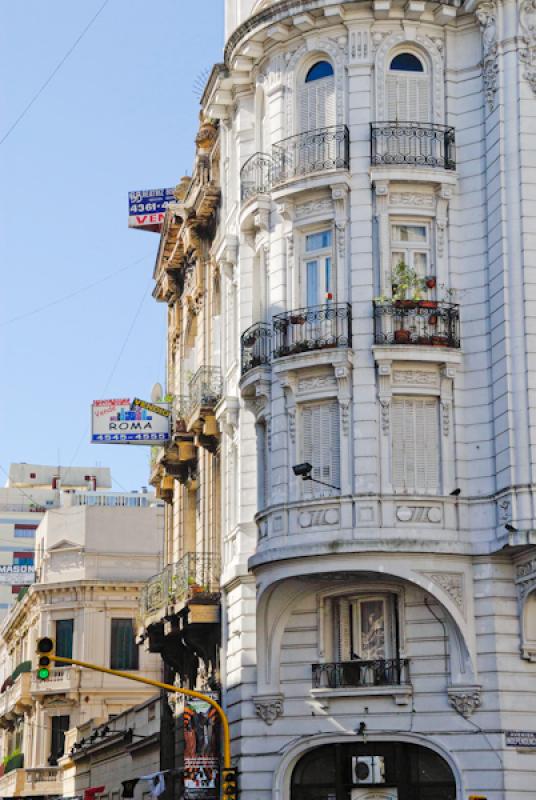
(409, 352)
(411, 174)
(401, 695)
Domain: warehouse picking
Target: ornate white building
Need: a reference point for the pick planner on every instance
(363, 294)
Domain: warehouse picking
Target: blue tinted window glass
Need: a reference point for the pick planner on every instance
(322, 69)
(312, 283)
(318, 241)
(407, 62)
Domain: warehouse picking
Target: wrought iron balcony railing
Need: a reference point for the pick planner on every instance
(205, 389)
(419, 144)
(256, 346)
(312, 328)
(405, 322)
(195, 574)
(256, 176)
(322, 150)
(343, 674)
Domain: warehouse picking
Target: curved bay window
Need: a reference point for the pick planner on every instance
(373, 769)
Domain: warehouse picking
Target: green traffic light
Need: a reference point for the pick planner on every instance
(43, 673)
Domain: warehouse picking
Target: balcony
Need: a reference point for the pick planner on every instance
(361, 674)
(406, 322)
(205, 391)
(42, 781)
(322, 150)
(256, 176)
(256, 346)
(62, 680)
(417, 144)
(194, 580)
(15, 699)
(304, 330)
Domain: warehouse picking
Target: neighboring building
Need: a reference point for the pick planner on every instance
(31, 489)
(360, 300)
(122, 749)
(92, 558)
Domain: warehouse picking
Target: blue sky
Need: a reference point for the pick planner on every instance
(121, 114)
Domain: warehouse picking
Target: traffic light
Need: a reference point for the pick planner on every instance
(229, 785)
(45, 652)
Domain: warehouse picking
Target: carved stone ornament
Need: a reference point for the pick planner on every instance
(269, 707)
(452, 584)
(527, 16)
(487, 16)
(385, 415)
(465, 699)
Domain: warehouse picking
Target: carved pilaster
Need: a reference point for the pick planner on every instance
(527, 19)
(486, 14)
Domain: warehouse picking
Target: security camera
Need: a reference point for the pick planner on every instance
(302, 470)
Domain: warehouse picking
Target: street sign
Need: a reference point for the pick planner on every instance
(147, 208)
(124, 421)
(524, 739)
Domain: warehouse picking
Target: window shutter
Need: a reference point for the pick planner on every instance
(415, 444)
(321, 444)
(408, 98)
(317, 105)
(344, 653)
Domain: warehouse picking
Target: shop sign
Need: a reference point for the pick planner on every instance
(15, 575)
(525, 739)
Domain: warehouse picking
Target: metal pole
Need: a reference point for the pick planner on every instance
(169, 688)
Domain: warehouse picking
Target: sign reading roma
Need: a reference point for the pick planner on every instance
(126, 421)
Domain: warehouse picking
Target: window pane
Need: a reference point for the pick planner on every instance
(60, 725)
(318, 241)
(372, 629)
(124, 650)
(64, 638)
(408, 233)
(312, 283)
(406, 62)
(328, 275)
(322, 69)
(420, 264)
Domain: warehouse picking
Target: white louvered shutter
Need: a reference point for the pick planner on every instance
(321, 445)
(415, 444)
(408, 98)
(317, 105)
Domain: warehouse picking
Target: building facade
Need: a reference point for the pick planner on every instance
(91, 563)
(30, 490)
(351, 347)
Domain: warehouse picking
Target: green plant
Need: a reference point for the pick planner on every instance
(24, 666)
(406, 284)
(15, 760)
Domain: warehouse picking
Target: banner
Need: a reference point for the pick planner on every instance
(17, 575)
(201, 750)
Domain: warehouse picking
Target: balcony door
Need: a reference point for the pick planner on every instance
(314, 149)
(366, 629)
(409, 101)
(410, 244)
(318, 268)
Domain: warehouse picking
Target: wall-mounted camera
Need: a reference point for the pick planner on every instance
(368, 769)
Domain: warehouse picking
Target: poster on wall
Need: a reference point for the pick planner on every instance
(201, 750)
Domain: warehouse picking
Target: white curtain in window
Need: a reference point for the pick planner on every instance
(321, 445)
(415, 444)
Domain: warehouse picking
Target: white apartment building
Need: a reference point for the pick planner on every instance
(30, 490)
(350, 283)
(92, 559)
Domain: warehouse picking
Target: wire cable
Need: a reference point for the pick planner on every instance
(54, 72)
(69, 296)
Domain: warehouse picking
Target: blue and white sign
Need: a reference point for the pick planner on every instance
(123, 422)
(147, 208)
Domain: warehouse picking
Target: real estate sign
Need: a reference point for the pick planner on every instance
(125, 421)
(147, 208)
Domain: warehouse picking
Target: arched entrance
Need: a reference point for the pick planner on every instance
(372, 771)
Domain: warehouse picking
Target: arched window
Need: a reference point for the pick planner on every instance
(408, 90)
(406, 62)
(322, 69)
(317, 98)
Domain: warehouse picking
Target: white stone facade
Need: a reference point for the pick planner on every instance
(428, 443)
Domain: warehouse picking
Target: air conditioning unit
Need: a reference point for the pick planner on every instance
(368, 769)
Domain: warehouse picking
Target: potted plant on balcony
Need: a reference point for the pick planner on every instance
(407, 286)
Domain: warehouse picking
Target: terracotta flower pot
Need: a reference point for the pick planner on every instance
(402, 336)
(440, 341)
(428, 303)
(431, 283)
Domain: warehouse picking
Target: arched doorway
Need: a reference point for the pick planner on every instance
(372, 771)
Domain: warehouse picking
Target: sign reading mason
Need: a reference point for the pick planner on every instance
(147, 208)
(16, 574)
(521, 739)
(123, 422)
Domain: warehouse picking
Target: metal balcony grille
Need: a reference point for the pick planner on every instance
(196, 573)
(416, 143)
(312, 328)
(321, 150)
(380, 672)
(255, 346)
(412, 323)
(205, 389)
(256, 176)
